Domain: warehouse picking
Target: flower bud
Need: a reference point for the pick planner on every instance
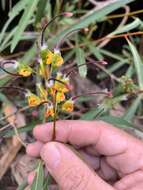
(68, 14)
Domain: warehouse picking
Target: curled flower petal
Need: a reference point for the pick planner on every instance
(46, 56)
(24, 70)
(68, 106)
(60, 97)
(57, 60)
(33, 100)
(49, 111)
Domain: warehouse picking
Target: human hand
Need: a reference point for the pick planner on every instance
(109, 158)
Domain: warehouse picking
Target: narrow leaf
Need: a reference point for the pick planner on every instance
(117, 121)
(40, 10)
(80, 59)
(136, 23)
(12, 14)
(133, 108)
(92, 17)
(93, 113)
(39, 178)
(96, 52)
(138, 64)
(23, 22)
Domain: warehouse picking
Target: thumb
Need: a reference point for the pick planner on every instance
(69, 171)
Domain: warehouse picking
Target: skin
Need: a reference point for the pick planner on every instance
(89, 155)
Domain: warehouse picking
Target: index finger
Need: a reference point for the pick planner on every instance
(105, 138)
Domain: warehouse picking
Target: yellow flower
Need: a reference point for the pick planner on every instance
(49, 111)
(24, 70)
(49, 57)
(60, 97)
(46, 56)
(57, 60)
(33, 100)
(63, 84)
(61, 87)
(68, 106)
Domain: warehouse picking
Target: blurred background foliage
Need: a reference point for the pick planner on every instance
(111, 31)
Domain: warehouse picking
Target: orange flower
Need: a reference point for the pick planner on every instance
(49, 111)
(24, 70)
(33, 100)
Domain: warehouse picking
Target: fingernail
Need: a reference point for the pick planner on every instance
(51, 155)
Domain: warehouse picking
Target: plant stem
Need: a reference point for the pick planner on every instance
(55, 117)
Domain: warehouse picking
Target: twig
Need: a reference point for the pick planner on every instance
(5, 127)
(106, 37)
(128, 14)
(103, 69)
(55, 116)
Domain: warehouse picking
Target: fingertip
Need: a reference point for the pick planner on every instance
(33, 149)
(43, 132)
(36, 130)
(50, 153)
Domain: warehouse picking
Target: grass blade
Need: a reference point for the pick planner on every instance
(23, 22)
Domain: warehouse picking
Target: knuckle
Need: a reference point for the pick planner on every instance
(74, 178)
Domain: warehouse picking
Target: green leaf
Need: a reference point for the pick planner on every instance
(40, 10)
(48, 180)
(136, 23)
(133, 108)
(80, 59)
(12, 14)
(92, 17)
(7, 39)
(112, 55)
(24, 22)
(4, 78)
(95, 51)
(117, 121)
(23, 185)
(39, 178)
(93, 113)
(138, 64)
(16, 9)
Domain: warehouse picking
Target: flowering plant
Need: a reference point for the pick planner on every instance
(54, 87)
(53, 90)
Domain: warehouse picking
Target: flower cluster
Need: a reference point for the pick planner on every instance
(53, 92)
